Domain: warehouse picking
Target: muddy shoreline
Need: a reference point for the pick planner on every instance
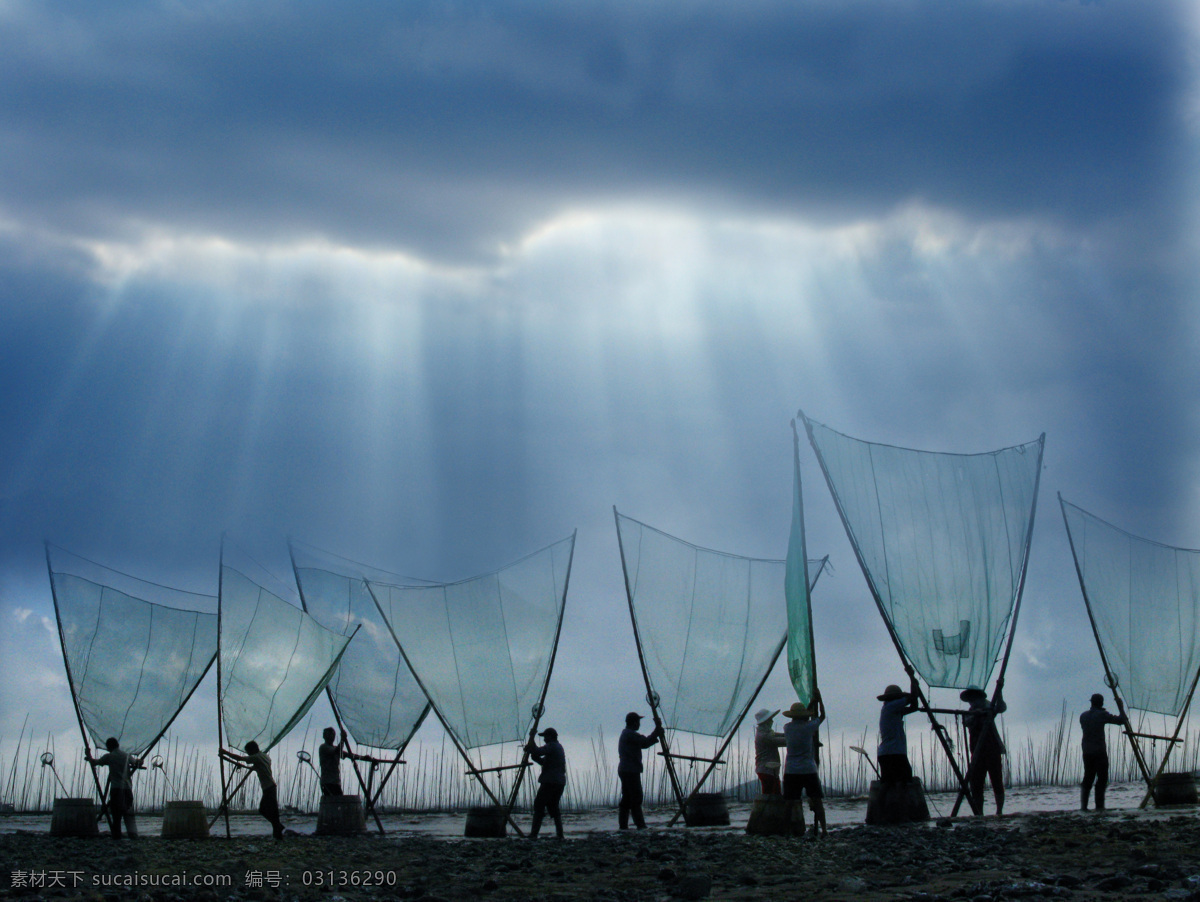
(1115, 855)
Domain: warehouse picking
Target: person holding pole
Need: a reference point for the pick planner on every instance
(800, 772)
(1095, 750)
(260, 763)
(987, 749)
(551, 782)
(330, 756)
(892, 754)
(629, 768)
(121, 766)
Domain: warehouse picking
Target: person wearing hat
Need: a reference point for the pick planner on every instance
(551, 782)
(987, 749)
(629, 768)
(892, 753)
(1095, 750)
(767, 744)
(800, 771)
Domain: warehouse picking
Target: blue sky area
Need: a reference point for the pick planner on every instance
(432, 284)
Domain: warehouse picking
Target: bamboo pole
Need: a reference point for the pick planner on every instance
(104, 811)
(1109, 679)
(651, 696)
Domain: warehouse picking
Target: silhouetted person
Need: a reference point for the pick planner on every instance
(800, 770)
(987, 748)
(767, 744)
(121, 766)
(629, 768)
(551, 782)
(1095, 751)
(260, 763)
(330, 756)
(892, 753)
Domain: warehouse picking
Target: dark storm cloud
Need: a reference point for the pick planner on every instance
(450, 128)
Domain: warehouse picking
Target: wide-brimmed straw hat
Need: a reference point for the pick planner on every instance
(891, 693)
(798, 710)
(971, 693)
(762, 715)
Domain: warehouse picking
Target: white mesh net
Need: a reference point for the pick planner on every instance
(135, 651)
(377, 698)
(943, 541)
(483, 648)
(274, 661)
(710, 625)
(1143, 598)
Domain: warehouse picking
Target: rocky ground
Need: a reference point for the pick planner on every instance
(1117, 855)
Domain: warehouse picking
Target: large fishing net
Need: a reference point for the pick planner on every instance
(1143, 598)
(376, 697)
(274, 660)
(710, 625)
(134, 650)
(943, 540)
(483, 648)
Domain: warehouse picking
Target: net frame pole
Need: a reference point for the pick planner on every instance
(938, 728)
(746, 710)
(353, 763)
(370, 799)
(473, 770)
(332, 702)
(541, 705)
(399, 754)
(62, 639)
(812, 642)
(1162, 765)
(990, 726)
(1109, 679)
(225, 795)
(651, 696)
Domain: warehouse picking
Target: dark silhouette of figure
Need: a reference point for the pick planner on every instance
(260, 763)
(1095, 751)
(329, 757)
(987, 749)
(121, 766)
(629, 768)
(551, 782)
(892, 753)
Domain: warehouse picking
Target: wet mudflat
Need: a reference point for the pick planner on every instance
(1116, 855)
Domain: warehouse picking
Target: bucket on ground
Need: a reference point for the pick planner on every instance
(776, 816)
(74, 817)
(896, 803)
(341, 816)
(1175, 789)
(487, 821)
(184, 820)
(706, 809)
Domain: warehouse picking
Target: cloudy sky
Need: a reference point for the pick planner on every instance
(431, 285)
